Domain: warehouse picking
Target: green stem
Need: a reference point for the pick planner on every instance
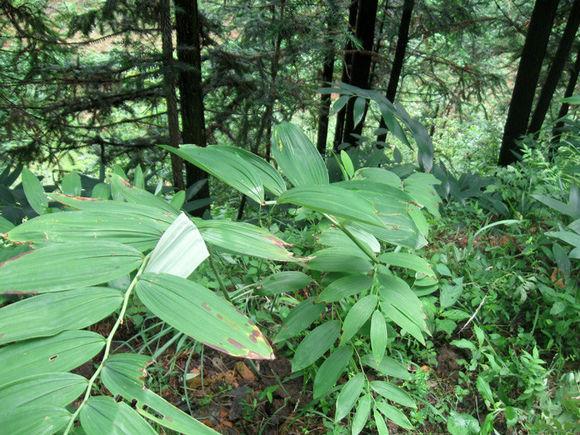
(351, 236)
(108, 345)
(219, 279)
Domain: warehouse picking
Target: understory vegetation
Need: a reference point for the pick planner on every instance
(203, 265)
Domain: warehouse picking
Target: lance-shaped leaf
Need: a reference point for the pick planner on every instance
(34, 192)
(357, 316)
(344, 287)
(393, 414)
(270, 178)
(331, 370)
(244, 239)
(407, 261)
(348, 396)
(63, 352)
(179, 251)
(67, 266)
(315, 344)
(203, 315)
(124, 375)
(123, 190)
(48, 389)
(333, 200)
(225, 166)
(284, 282)
(33, 420)
(102, 415)
(5, 225)
(51, 313)
(297, 157)
(393, 393)
(71, 184)
(134, 229)
(300, 318)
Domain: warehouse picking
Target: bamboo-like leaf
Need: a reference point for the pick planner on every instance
(134, 229)
(71, 184)
(34, 192)
(244, 239)
(315, 344)
(67, 266)
(339, 260)
(33, 420)
(407, 261)
(332, 200)
(102, 415)
(5, 225)
(348, 396)
(344, 287)
(331, 370)
(299, 319)
(47, 389)
(378, 335)
(201, 314)
(297, 157)
(284, 282)
(123, 190)
(49, 314)
(361, 415)
(393, 393)
(63, 352)
(225, 166)
(357, 317)
(393, 414)
(179, 251)
(123, 374)
(387, 367)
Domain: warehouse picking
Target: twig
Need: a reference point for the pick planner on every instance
(474, 314)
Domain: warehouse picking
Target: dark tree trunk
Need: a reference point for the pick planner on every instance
(402, 41)
(190, 89)
(346, 71)
(527, 79)
(169, 88)
(361, 61)
(557, 131)
(556, 68)
(327, 74)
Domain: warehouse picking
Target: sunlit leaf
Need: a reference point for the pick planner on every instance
(102, 415)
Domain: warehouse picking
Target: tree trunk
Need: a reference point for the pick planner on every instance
(327, 73)
(346, 71)
(361, 61)
(402, 41)
(557, 131)
(527, 79)
(169, 88)
(190, 88)
(556, 68)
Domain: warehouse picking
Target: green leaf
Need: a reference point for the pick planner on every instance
(269, 177)
(33, 420)
(574, 99)
(225, 166)
(357, 317)
(359, 110)
(449, 294)
(347, 163)
(34, 192)
(379, 175)
(123, 190)
(407, 261)
(123, 375)
(101, 191)
(420, 186)
(348, 396)
(337, 260)
(178, 200)
(331, 199)
(378, 335)
(299, 319)
(51, 313)
(201, 314)
(484, 389)
(339, 104)
(361, 415)
(393, 393)
(63, 352)
(244, 239)
(382, 428)
(393, 414)
(138, 178)
(47, 389)
(571, 210)
(5, 225)
(331, 370)
(102, 415)
(283, 282)
(315, 344)
(297, 157)
(180, 250)
(344, 287)
(71, 184)
(67, 266)
(462, 424)
(387, 367)
(129, 228)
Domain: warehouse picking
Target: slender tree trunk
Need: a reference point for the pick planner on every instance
(361, 61)
(327, 73)
(527, 79)
(103, 163)
(346, 71)
(169, 88)
(402, 41)
(190, 87)
(556, 68)
(557, 131)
